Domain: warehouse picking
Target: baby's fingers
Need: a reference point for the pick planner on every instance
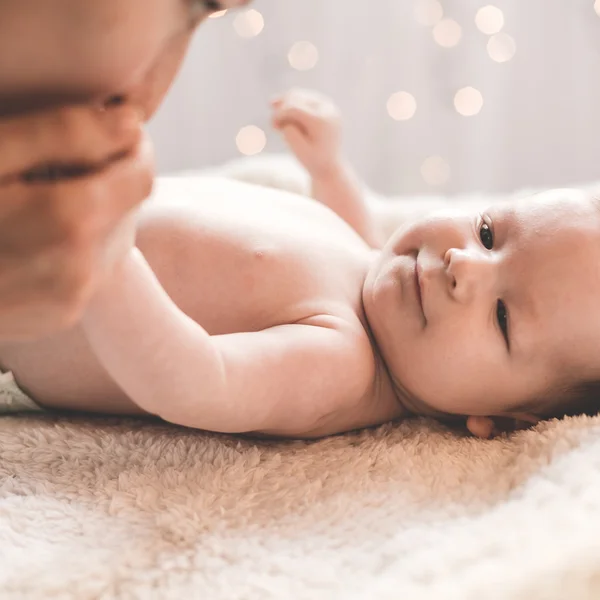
(296, 139)
(293, 115)
(277, 101)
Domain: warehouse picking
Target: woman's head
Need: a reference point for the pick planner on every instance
(481, 314)
(60, 51)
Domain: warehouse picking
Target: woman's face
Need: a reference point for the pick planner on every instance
(61, 51)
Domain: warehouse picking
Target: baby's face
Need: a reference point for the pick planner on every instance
(61, 51)
(477, 314)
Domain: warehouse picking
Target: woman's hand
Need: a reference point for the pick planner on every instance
(68, 179)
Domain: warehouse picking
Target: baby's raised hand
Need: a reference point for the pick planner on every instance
(311, 125)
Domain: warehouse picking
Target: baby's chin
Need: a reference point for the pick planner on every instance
(423, 395)
(415, 405)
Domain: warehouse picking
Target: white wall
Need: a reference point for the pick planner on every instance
(539, 124)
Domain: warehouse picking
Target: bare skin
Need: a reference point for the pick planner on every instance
(77, 80)
(249, 310)
(215, 249)
(479, 268)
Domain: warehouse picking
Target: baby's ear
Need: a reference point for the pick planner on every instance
(481, 427)
(487, 427)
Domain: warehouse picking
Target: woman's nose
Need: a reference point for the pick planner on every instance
(469, 273)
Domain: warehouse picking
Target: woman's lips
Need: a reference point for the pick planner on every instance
(419, 287)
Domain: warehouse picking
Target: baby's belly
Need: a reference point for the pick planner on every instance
(62, 373)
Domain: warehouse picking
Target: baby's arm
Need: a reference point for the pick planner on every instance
(281, 380)
(311, 126)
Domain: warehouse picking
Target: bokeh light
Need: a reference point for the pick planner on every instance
(468, 101)
(447, 33)
(303, 56)
(501, 47)
(401, 106)
(489, 19)
(251, 140)
(249, 23)
(428, 12)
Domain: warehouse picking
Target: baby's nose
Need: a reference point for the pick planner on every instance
(469, 273)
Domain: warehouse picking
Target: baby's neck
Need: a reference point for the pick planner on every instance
(385, 386)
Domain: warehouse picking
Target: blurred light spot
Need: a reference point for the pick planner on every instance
(489, 19)
(435, 171)
(303, 56)
(468, 101)
(597, 7)
(501, 47)
(401, 106)
(218, 14)
(429, 12)
(251, 140)
(248, 23)
(447, 33)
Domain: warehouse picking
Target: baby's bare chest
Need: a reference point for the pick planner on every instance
(243, 265)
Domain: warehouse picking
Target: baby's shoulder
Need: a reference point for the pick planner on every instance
(254, 209)
(371, 399)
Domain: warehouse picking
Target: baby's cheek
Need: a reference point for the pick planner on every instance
(405, 241)
(443, 379)
(421, 233)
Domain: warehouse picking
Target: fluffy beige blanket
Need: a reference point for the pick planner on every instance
(127, 509)
(113, 508)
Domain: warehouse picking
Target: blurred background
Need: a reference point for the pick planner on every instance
(438, 96)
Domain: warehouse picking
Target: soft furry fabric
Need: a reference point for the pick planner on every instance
(119, 508)
(131, 509)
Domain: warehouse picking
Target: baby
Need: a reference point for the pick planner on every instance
(243, 309)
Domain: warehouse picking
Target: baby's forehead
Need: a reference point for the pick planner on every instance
(559, 210)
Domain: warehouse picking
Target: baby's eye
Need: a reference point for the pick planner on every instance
(502, 317)
(486, 236)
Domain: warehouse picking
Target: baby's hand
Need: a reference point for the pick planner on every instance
(311, 126)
